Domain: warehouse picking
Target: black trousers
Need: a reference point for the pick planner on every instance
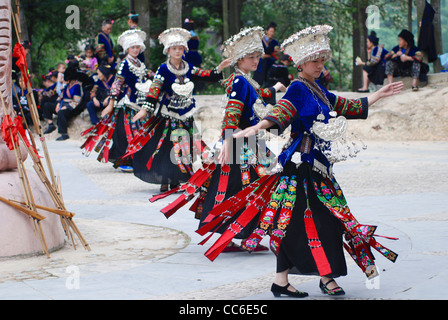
(63, 115)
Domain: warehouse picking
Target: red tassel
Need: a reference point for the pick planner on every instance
(245, 217)
(87, 131)
(195, 205)
(206, 239)
(230, 233)
(106, 155)
(174, 206)
(260, 196)
(236, 198)
(149, 164)
(163, 195)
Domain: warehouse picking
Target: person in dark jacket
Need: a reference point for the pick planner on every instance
(375, 67)
(405, 60)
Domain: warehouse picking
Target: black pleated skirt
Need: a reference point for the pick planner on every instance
(164, 168)
(294, 252)
(234, 186)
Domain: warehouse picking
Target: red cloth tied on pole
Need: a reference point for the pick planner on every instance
(19, 53)
(9, 132)
(11, 129)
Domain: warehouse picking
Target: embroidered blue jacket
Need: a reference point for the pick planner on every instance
(300, 108)
(161, 90)
(125, 81)
(239, 112)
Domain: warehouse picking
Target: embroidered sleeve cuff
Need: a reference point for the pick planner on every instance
(282, 114)
(232, 116)
(352, 108)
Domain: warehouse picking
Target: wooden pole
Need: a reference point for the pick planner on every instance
(27, 193)
(52, 187)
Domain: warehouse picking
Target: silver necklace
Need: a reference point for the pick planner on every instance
(322, 96)
(136, 67)
(249, 79)
(178, 72)
(331, 138)
(259, 108)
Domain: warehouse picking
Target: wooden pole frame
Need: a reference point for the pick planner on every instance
(53, 185)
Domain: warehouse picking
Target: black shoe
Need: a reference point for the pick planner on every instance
(63, 137)
(278, 291)
(50, 129)
(163, 188)
(174, 186)
(338, 291)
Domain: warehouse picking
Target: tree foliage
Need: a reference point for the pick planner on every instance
(52, 41)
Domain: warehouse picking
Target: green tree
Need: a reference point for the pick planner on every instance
(51, 40)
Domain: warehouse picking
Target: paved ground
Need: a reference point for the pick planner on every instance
(139, 254)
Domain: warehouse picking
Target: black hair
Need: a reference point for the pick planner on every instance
(106, 21)
(89, 47)
(133, 16)
(271, 25)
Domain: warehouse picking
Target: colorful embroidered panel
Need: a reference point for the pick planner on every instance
(232, 115)
(155, 88)
(352, 107)
(282, 113)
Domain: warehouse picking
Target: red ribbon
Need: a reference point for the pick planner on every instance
(11, 129)
(19, 53)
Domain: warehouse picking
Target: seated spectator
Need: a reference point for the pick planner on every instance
(20, 100)
(90, 63)
(66, 104)
(60, 82)
(99, 95)
(271, 53)
(406, 60)
(374, 69)
(279, 72)
(48, 93)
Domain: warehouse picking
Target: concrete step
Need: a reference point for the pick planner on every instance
(433, 79)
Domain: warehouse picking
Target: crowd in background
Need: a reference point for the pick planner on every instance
(83, 81)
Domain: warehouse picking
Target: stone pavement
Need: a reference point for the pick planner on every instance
(138, 254)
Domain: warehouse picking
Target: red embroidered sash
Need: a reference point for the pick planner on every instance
(319, 256)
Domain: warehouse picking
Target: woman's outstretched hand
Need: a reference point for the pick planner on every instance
(386, 91)
(224, 64)
(251, 131)
(248, 132)
(391, 89)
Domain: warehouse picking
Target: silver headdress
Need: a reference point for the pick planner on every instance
(308, 44)
(174, 37)
(131, 38)
(247, 41)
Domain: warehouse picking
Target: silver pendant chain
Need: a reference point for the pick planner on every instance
(178, 72)
(321, 116)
